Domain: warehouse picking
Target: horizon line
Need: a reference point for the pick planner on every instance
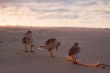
(9, 26)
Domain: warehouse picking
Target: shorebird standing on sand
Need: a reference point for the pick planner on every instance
(73, 51)
(51, 44)
(27, 40)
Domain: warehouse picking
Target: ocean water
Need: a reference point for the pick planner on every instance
(55, 13)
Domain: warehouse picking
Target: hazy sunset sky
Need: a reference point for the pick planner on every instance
(55, 13)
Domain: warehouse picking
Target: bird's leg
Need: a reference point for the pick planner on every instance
(51, 53)
(25, 48)
(31, 48)
(74, 59)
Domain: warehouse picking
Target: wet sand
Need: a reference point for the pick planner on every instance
(94, 43)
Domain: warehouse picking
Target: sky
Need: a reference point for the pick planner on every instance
(55, 13)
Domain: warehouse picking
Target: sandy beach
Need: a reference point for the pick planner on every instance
(94, 43)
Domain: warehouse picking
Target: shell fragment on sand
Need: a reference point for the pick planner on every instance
(69, 58)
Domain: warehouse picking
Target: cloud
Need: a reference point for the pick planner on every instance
(35, 0)
(62, 1)
(50, 10)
